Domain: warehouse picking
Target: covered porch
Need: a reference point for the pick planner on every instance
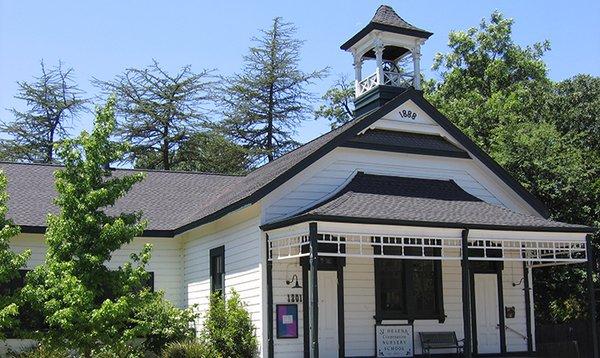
(374, 267)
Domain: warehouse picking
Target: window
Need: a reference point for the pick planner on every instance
(28, 320)
(217, 269)
(408, 289)
(392, 287)
(15, 284)
(150, 282)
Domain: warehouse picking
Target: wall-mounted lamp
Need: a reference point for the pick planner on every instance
(294, 279)
(518, 283)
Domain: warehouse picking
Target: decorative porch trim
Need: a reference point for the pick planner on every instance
(535, 252)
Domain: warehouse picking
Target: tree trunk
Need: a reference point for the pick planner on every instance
(50, 144)
(270, 125)
(165, 148)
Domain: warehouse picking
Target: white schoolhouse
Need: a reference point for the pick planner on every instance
(393, 235)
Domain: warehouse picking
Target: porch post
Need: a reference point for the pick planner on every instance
(466, 296)
(527, 290)
(270, 350)
(592, 295)
(314, 291)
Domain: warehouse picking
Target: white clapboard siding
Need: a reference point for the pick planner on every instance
(514, 296)
(242, 268)
(359, 305)
(166, 260)
(284, 270)
(333, 172)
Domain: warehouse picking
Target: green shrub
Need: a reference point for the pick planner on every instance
(41, 351)
(228, 328)
(190, 349)
(159, 322)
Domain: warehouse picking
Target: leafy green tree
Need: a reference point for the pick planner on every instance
(575, 108)
(10, 263)
(566, 177)
(265, 103)
(228, 327)
(487, 80)
(497, 92)
(53, 99)
(209, 152)
(160, 111)
(339, 103)
(87, 306)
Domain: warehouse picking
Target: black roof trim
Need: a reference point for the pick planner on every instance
(357, 220)
(404, 149)
(382, 27)
(30, 229)
(354, 128)
(465, 141)
(369, 119)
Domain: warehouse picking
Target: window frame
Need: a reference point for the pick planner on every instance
(216, 252)
(409, 299)
(151, 281)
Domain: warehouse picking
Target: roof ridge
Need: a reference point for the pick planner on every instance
(32, 164)
(56, 165)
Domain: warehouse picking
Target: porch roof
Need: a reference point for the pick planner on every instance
(390, 200)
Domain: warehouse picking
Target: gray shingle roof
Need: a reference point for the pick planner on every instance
(385, 15)
(251, 188)
(170, 201)
(175, 202)
(406, 142)
(386, 19)
(400, 200)
(165, 198)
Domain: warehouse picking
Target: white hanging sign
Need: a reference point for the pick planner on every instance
(394, 340)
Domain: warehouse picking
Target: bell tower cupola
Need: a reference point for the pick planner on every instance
(395, 46)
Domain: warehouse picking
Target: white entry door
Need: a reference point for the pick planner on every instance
(486, 313)
(328, 325)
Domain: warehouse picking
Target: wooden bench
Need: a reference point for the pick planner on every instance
(439, 340)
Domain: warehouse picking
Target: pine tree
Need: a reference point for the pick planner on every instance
(207, 151)
(265, 103)
(53, 99)
(159, 111)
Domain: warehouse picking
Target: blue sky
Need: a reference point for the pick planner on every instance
(101, 38)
